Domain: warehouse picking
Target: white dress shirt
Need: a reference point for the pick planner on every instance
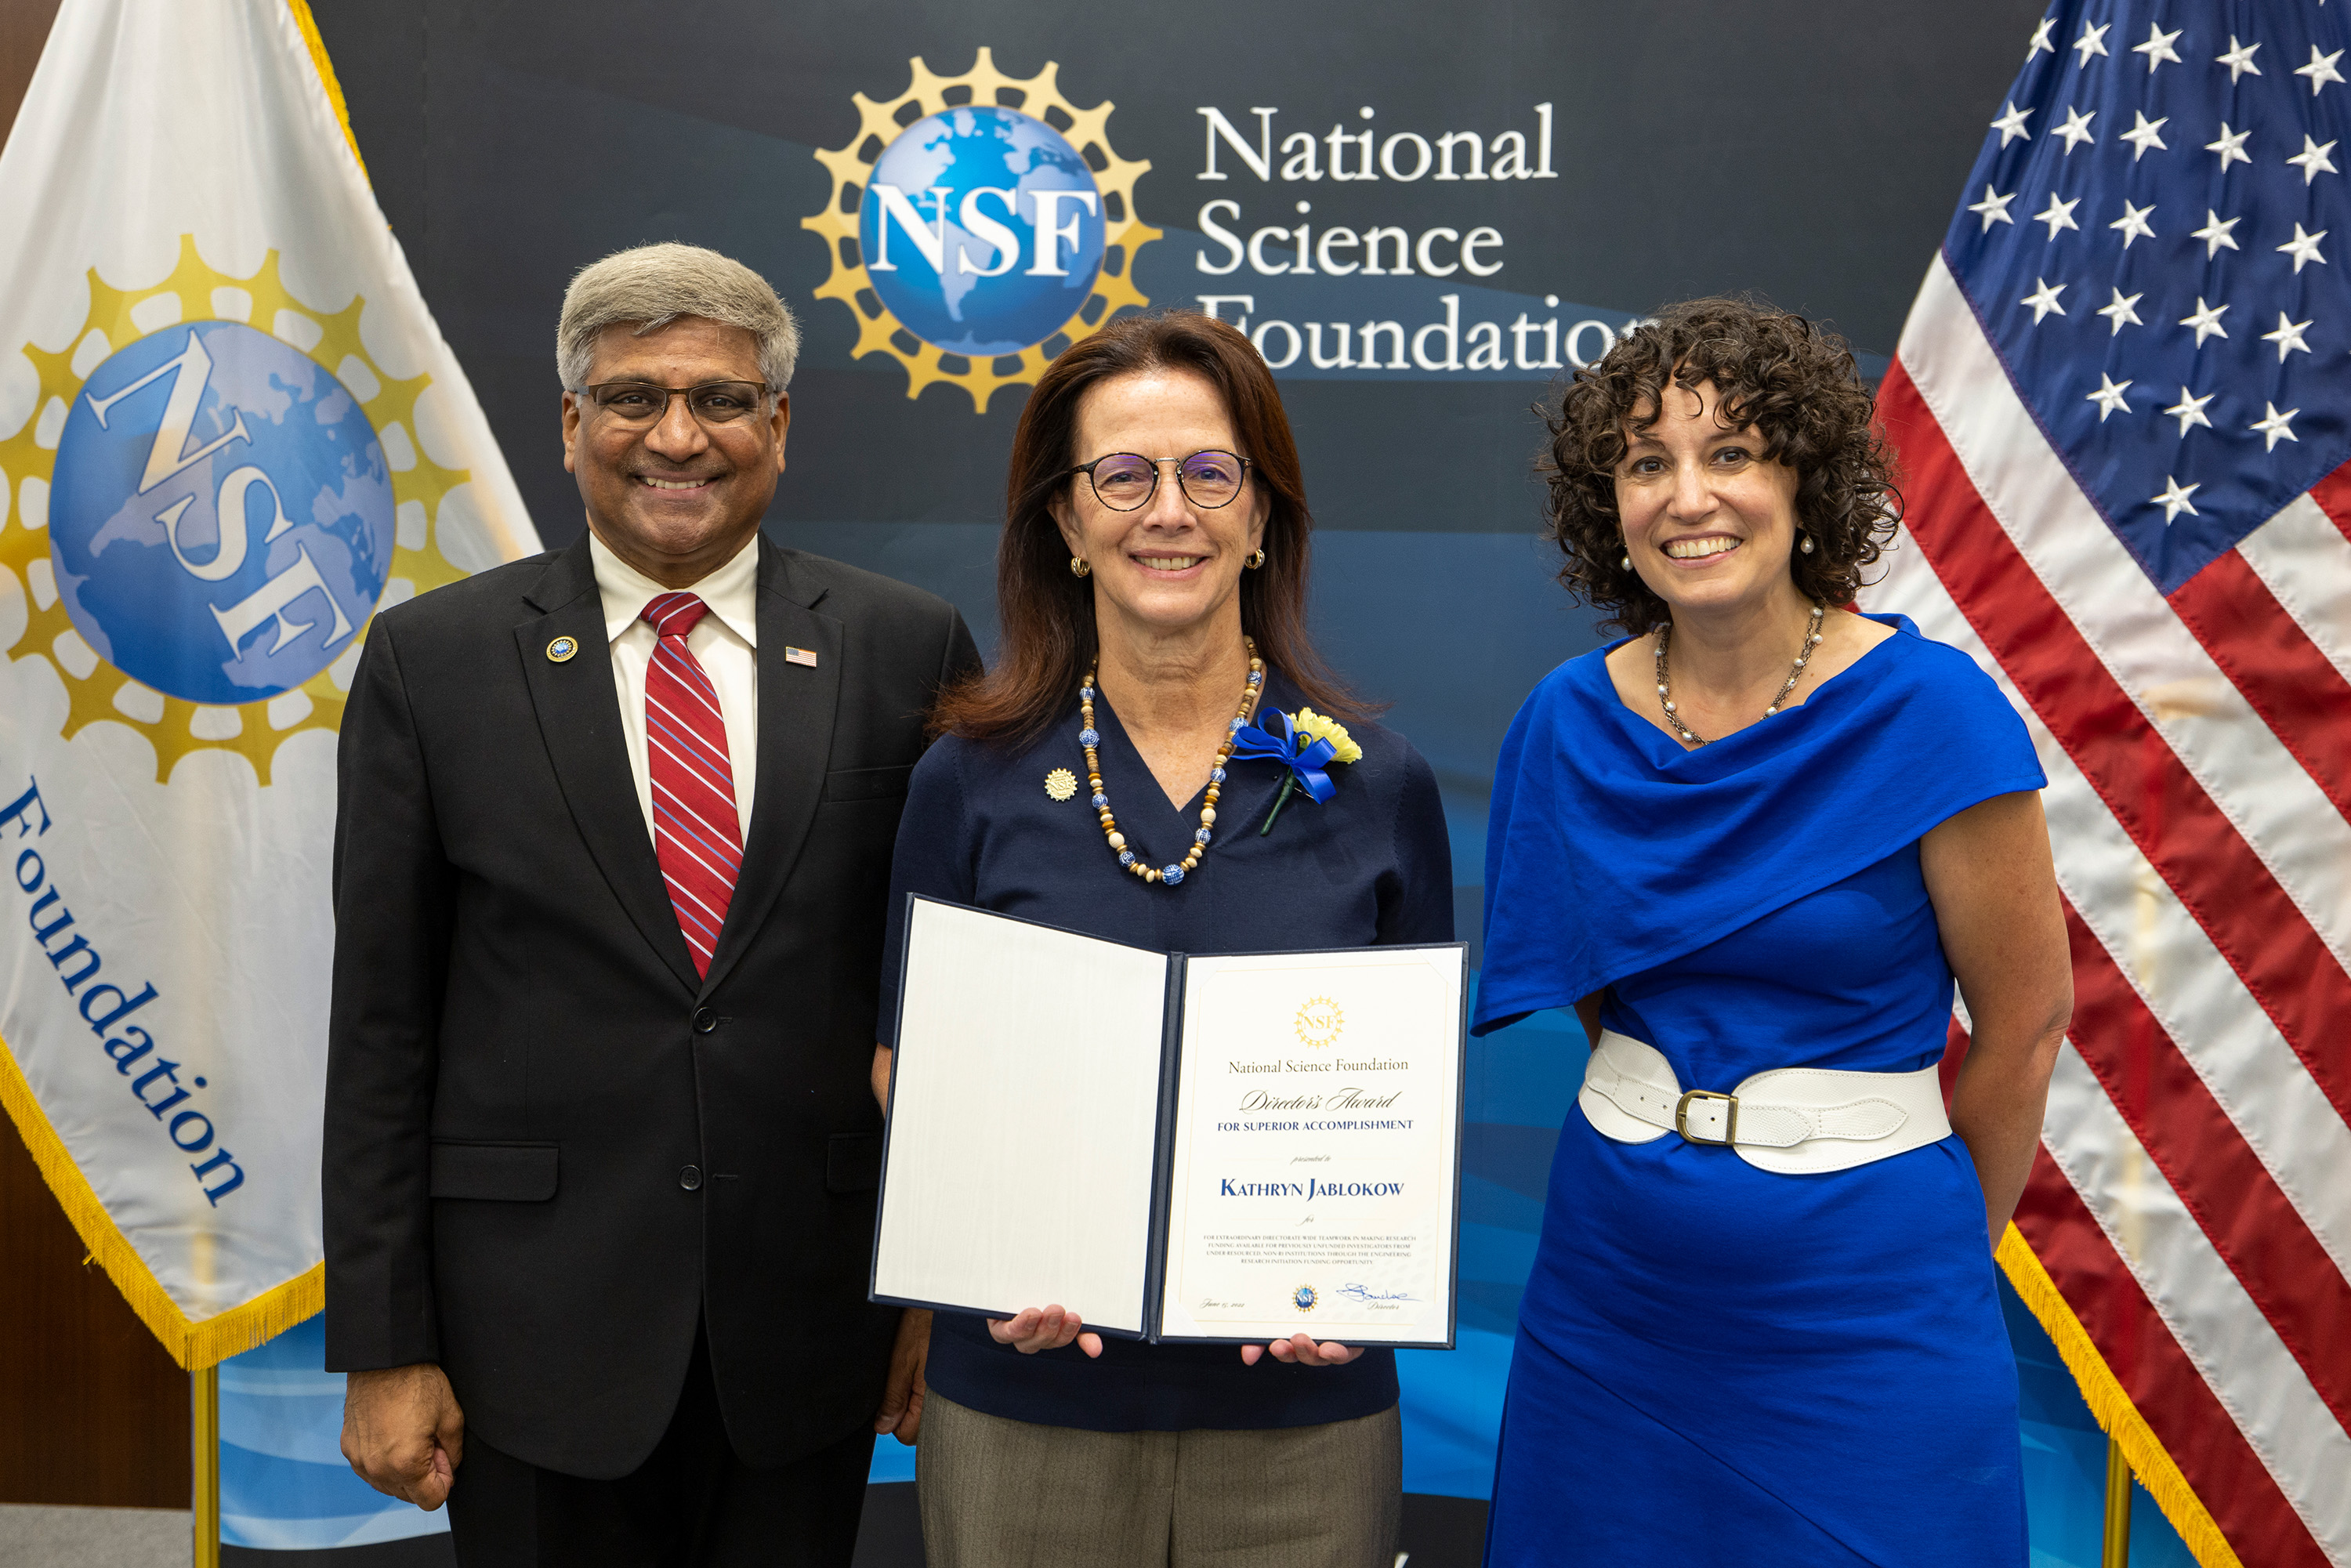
(725, 642)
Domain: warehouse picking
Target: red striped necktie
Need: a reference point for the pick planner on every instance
(697, 835)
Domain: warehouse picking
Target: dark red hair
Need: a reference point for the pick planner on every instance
(1047, 613)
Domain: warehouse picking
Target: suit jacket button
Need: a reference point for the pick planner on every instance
(690, 1178)
(705, 1020)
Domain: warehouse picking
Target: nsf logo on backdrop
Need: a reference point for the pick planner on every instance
(979, 225)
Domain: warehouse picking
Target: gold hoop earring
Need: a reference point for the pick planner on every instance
(1256, 561)
(1077, 568)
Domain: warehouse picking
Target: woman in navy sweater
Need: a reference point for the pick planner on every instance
(1153, 582)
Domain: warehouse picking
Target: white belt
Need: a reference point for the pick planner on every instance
(1792, 1120)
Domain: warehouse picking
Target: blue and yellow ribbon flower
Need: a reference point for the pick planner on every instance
(1306, 744)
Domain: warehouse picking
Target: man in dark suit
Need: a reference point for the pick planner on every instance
(609, 873)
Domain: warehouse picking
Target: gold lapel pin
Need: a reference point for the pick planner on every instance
(561, 649)
(800, 656)
(1061, 784)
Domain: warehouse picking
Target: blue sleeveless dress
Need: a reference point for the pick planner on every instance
(1716, 1363)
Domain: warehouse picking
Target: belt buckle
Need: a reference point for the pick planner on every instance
(1730, 1117)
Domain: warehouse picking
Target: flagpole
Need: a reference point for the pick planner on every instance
(205, 1403)
(2116, 1553)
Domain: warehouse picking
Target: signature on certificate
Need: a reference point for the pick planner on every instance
(1365, 1294)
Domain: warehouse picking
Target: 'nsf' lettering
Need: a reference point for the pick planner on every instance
(982, 230)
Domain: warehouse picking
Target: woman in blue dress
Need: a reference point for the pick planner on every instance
(1753, 843)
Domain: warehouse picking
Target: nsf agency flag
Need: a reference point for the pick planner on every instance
(229, 432)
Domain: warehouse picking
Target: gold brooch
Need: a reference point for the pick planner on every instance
(1061, 784)
(561, 649)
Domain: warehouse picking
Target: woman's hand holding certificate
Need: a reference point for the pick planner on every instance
(1301, 1349)
(1042, 1328)
(1051, 1328)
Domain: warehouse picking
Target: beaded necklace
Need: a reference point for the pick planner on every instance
(1795, 674)
(1089, 738)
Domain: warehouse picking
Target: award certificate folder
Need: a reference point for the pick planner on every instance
(1232, 1147)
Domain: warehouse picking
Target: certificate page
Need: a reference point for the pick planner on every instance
(1315, 1170)
(1023, 1114)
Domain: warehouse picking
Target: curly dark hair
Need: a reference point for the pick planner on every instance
(1790, 377)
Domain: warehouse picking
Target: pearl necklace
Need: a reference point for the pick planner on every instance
(1089, 738)
(1795, 674)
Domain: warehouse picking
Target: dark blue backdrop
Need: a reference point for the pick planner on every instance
(1809, 150)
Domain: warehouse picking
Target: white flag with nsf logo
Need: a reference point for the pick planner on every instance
(229, 432)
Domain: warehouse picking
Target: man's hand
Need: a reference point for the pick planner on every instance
(403, 1433)
(902, 1397)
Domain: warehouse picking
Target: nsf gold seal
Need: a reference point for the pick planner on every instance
(1319, 1023)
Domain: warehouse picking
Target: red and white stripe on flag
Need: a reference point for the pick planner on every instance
(2187, 1232)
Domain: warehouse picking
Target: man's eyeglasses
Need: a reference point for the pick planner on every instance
(1126, 482)
(644, 403)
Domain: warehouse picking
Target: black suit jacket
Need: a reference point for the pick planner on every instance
(551, 1146)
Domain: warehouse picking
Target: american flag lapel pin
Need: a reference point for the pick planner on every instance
(800, 656)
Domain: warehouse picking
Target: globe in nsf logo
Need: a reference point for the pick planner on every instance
(978, 226)
(220, 514)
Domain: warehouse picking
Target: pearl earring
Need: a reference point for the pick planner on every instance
(1627, 563)
(1804, 543)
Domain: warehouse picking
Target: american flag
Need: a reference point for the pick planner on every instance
(2123, 401)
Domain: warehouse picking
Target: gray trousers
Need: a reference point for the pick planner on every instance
(1009, 1494)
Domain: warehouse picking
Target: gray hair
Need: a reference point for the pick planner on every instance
(653, 284)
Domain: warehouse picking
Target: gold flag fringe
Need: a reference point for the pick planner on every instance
(194, 1344)
(318, 46)
(2102, 1392)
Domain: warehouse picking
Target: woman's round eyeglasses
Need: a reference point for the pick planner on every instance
(1126, 482)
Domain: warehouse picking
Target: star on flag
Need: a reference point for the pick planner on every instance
(2157, 48)
(2058, 214)
(1994, 208)
(2288, 339)
(2303, 247)
(2044, 298)
(2174, 499)
(2239, 60)
(2188, 411)
(2275, 426)
(2142, 136)
(2312, 160)
(2206, 321)
(2320, 70)
(2215, 233)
